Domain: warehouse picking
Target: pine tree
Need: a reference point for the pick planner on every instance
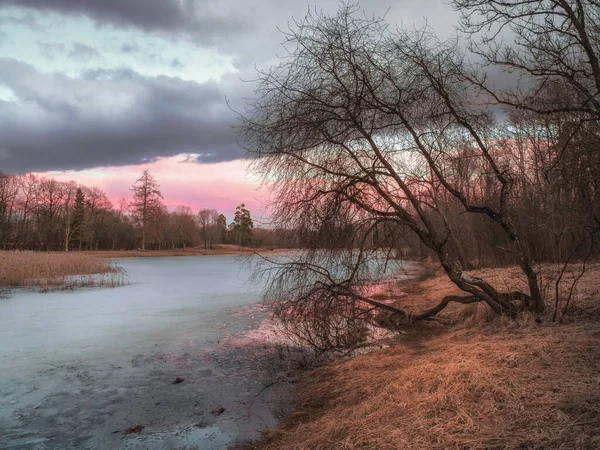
(242, 225)
(78, 217)
(222, 226)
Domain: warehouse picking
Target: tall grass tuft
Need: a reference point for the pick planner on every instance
(57, 270)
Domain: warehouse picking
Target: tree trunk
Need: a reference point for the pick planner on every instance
(67, 235)
(143, 238)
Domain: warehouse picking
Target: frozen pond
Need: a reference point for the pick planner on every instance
(80, 367)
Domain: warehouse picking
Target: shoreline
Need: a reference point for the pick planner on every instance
(469, 381)
(221, 249)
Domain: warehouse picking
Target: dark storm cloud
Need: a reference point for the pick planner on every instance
(108, 118)
(121, 117)
(27, 20)
(205, 20)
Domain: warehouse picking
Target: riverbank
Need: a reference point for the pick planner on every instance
(469, 381)
(221, 249)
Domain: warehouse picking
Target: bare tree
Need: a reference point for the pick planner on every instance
(9, 189)
(549, 46)
(49, 203)
(185, 226)
(359, 129)
(208, 223)
(97, 207)
(70, 191)
(26, 204)
(146, 203)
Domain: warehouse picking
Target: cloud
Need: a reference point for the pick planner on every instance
(83, 52)
(78, 52)
(151, 53)
(131, 48)
(50, 50)
(206, 20)
(109, 117)
(27, 20)
(177, 64)
(120, 117)
(246, 30)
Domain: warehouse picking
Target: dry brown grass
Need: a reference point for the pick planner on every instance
(430, 285)
(502, 385)
(49, 270)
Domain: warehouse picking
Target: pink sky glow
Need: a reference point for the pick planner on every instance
(220, 186)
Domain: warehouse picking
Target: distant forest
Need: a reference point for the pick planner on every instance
(41, 213)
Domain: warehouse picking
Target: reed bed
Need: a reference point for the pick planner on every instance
(57, 270)
(500, 384)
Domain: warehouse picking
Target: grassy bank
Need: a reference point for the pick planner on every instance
(222, 249)
(55, 270)
(470, 382)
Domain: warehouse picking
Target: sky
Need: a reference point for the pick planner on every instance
(96, 91)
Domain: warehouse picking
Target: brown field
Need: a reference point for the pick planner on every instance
(55, 270)
(468, 382)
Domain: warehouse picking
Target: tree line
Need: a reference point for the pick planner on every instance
(41, 213)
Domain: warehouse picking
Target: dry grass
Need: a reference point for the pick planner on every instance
(55, 270)
(430, 285)
(502, 385)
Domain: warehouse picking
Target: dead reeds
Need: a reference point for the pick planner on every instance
(57, 270)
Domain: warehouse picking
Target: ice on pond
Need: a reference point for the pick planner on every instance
(80, 367)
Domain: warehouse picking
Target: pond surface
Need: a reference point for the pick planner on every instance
(78, 368)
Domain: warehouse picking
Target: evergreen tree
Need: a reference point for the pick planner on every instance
(222, 226)
(78, 217)
(242, 225)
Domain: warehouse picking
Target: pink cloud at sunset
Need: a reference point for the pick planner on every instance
(220, 186)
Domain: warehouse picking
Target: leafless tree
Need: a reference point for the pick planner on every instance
(551, 48)
(69, 194)
(207, 220)
(9, 189)
(50, 202)
(548, 46)
(146, 203)
(185, 226)
(363, 132)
